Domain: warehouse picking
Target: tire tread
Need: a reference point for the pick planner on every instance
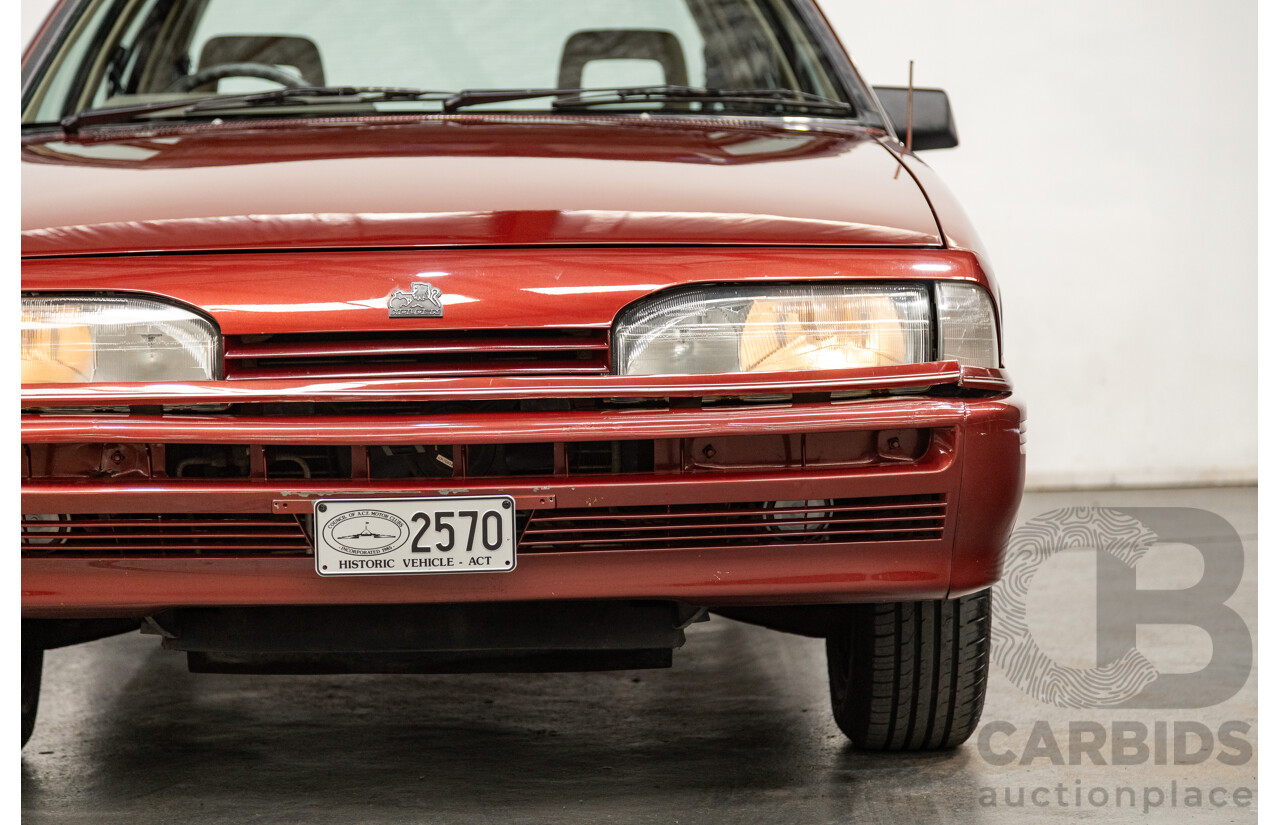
(910, 676)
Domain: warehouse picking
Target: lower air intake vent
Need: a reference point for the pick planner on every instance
(699, 526)
(684, 527)
(227, 535)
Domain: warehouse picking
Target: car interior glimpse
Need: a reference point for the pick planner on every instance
(133, 53)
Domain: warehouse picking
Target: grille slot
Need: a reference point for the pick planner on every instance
(164, 535)
(702, 526)
(418, 354)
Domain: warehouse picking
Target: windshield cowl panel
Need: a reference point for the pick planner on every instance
(726, 141)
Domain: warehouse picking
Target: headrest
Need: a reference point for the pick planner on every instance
(274, 50)
(622, 44)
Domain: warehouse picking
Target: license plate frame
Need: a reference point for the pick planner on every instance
(414, 535)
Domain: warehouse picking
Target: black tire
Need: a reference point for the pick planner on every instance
(32, 668)
(910, 676)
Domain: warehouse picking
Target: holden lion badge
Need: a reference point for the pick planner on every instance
(422, 302)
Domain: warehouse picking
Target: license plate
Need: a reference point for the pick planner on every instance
(397, 536)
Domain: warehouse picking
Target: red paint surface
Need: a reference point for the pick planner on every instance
(490, 388)
(482, 289)
(823, 573)
(483, 428)
(293, 184)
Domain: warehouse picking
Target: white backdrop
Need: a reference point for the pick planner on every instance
(1108, 156)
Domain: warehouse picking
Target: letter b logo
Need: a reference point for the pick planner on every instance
(1124, 677)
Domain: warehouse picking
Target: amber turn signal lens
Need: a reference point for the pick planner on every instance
(55, 352)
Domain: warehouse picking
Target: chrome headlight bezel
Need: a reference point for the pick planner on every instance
(118, 337)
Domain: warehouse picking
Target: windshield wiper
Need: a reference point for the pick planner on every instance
(475, 97)
(604, 97)
(354, 94)
(585, 98)
(452, 101)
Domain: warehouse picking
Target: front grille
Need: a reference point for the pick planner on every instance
(685, 527)
(418, 354)
(752, 524)
(237, 534)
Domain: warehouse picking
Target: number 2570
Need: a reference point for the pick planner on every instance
(448, 527)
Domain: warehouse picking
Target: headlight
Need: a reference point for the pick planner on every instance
(70, 339)
(774, 328)
(967, 325)
(781, 328)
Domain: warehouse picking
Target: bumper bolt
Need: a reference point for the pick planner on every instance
(709, 451)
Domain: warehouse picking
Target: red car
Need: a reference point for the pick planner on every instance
(503, 336)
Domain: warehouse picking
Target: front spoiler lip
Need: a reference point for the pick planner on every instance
(821, 574)
(932, 374)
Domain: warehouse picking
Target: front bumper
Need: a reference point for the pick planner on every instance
(970, 473)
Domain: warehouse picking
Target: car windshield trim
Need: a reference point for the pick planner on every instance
(288, 96)
(584, 98)
(566, 99)
(600, 97)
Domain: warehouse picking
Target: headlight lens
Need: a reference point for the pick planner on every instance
(967, 325)
(112, 339)
(774, 328)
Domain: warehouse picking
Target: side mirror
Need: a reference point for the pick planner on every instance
(931, 125)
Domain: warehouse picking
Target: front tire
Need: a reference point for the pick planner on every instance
(910, 676)
(32, 670)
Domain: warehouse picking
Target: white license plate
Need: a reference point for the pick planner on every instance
(396, 536)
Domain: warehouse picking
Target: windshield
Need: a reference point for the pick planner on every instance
(682, 56)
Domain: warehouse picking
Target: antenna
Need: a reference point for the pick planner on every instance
(911, 98)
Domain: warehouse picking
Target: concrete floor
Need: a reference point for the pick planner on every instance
(738, 731)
